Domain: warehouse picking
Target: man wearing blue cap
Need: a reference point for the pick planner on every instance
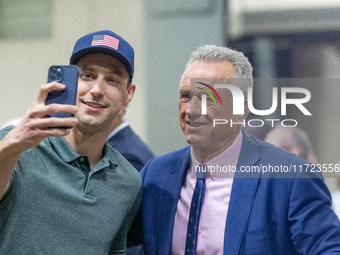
(65, 191)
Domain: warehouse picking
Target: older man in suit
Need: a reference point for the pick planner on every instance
(237, 212)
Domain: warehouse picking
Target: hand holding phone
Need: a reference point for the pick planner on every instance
(67, 75)
(36, 126)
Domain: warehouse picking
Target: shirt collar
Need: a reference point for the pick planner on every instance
(117, 129)
(227, 158)
(67, 153)
(63, 149)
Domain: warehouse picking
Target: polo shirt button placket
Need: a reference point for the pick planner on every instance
(85, 167)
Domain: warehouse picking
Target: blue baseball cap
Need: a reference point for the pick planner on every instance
(106, 42)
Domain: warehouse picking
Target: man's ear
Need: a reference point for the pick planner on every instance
(130, 92)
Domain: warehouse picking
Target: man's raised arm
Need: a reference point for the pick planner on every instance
(32, 129)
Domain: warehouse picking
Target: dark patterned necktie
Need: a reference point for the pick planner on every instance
(195, 212)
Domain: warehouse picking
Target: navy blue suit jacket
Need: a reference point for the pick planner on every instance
(265, 216)
(129, 144)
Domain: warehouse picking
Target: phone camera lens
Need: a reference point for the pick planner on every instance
(56, 73)
(58, 76)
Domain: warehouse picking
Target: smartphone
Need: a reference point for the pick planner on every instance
(67, 75)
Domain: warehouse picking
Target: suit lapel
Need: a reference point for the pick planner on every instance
(174, 182)
(240, 205)
(242, 197)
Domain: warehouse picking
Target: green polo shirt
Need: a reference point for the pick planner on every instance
(57, 205)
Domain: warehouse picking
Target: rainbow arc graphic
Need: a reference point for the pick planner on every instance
(209, 93)
(204, 97)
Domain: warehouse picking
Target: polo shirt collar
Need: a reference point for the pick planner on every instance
(63, 149)
(67, 153)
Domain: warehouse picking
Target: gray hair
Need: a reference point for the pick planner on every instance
(213, 53)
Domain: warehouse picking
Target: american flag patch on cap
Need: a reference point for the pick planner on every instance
(105, 40)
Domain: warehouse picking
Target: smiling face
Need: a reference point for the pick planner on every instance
(197, 128)
(102, 90)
